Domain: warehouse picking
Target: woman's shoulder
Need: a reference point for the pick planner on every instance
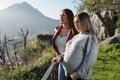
(82, 37)
(87, 35)
(57, 28)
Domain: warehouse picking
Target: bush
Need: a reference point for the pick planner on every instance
(107, 66)
(118, 22)
(34, 71)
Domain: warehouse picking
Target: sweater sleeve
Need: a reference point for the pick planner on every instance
(85, 69)
(73, 54)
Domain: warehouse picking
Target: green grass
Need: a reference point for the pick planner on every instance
(108, 63)
(32, 72)
(107, 66)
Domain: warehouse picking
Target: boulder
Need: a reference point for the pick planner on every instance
(111, 40)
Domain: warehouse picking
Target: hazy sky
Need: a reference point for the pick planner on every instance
(50, 8)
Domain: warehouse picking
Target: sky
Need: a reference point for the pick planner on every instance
(49, 8)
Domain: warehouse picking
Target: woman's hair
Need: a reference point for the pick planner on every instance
(86, 24)
(70, 17)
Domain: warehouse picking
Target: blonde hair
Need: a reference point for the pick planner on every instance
(86, 24)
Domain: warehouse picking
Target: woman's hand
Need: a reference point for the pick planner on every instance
(57, 58)
(74, 76)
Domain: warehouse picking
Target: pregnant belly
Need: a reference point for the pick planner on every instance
(73, 61)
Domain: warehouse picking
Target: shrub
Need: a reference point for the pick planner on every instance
(118, 22)
(107, 66)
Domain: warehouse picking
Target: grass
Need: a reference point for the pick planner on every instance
(31, 72)
(107, 66)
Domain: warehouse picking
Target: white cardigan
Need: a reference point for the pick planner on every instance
(73, 55)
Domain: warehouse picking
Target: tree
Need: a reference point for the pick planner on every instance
(5, 45)
(97, 6)
(25, 43)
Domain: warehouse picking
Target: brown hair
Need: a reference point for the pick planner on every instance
(70, 17)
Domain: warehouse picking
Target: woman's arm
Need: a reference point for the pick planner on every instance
(85, 69)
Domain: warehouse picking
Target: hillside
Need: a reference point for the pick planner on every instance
(23, 15)
(106, 67)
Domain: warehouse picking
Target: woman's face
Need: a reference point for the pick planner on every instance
(63, 17)
(76, 24)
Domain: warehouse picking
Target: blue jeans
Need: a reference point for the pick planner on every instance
(61, 72)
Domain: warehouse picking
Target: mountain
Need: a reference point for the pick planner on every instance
(23, 15)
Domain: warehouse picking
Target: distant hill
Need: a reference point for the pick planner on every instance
(23, 15)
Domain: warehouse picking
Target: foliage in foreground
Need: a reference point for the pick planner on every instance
(118, 22)
(35, 70)
(106, 68)
(108, 63)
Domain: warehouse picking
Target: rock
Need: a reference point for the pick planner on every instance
(111, 40)
(117, 31)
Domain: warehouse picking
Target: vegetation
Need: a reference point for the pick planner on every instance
(35, 70)
(39, 59)
(118, 22)
(98, 6)
(37, 56)
(107, 66)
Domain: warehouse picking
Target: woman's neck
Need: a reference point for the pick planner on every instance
(66, 26)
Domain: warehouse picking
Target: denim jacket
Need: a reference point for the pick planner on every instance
(76, 57)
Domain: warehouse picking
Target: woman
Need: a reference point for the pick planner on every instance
(63, 33)
(81, 51)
